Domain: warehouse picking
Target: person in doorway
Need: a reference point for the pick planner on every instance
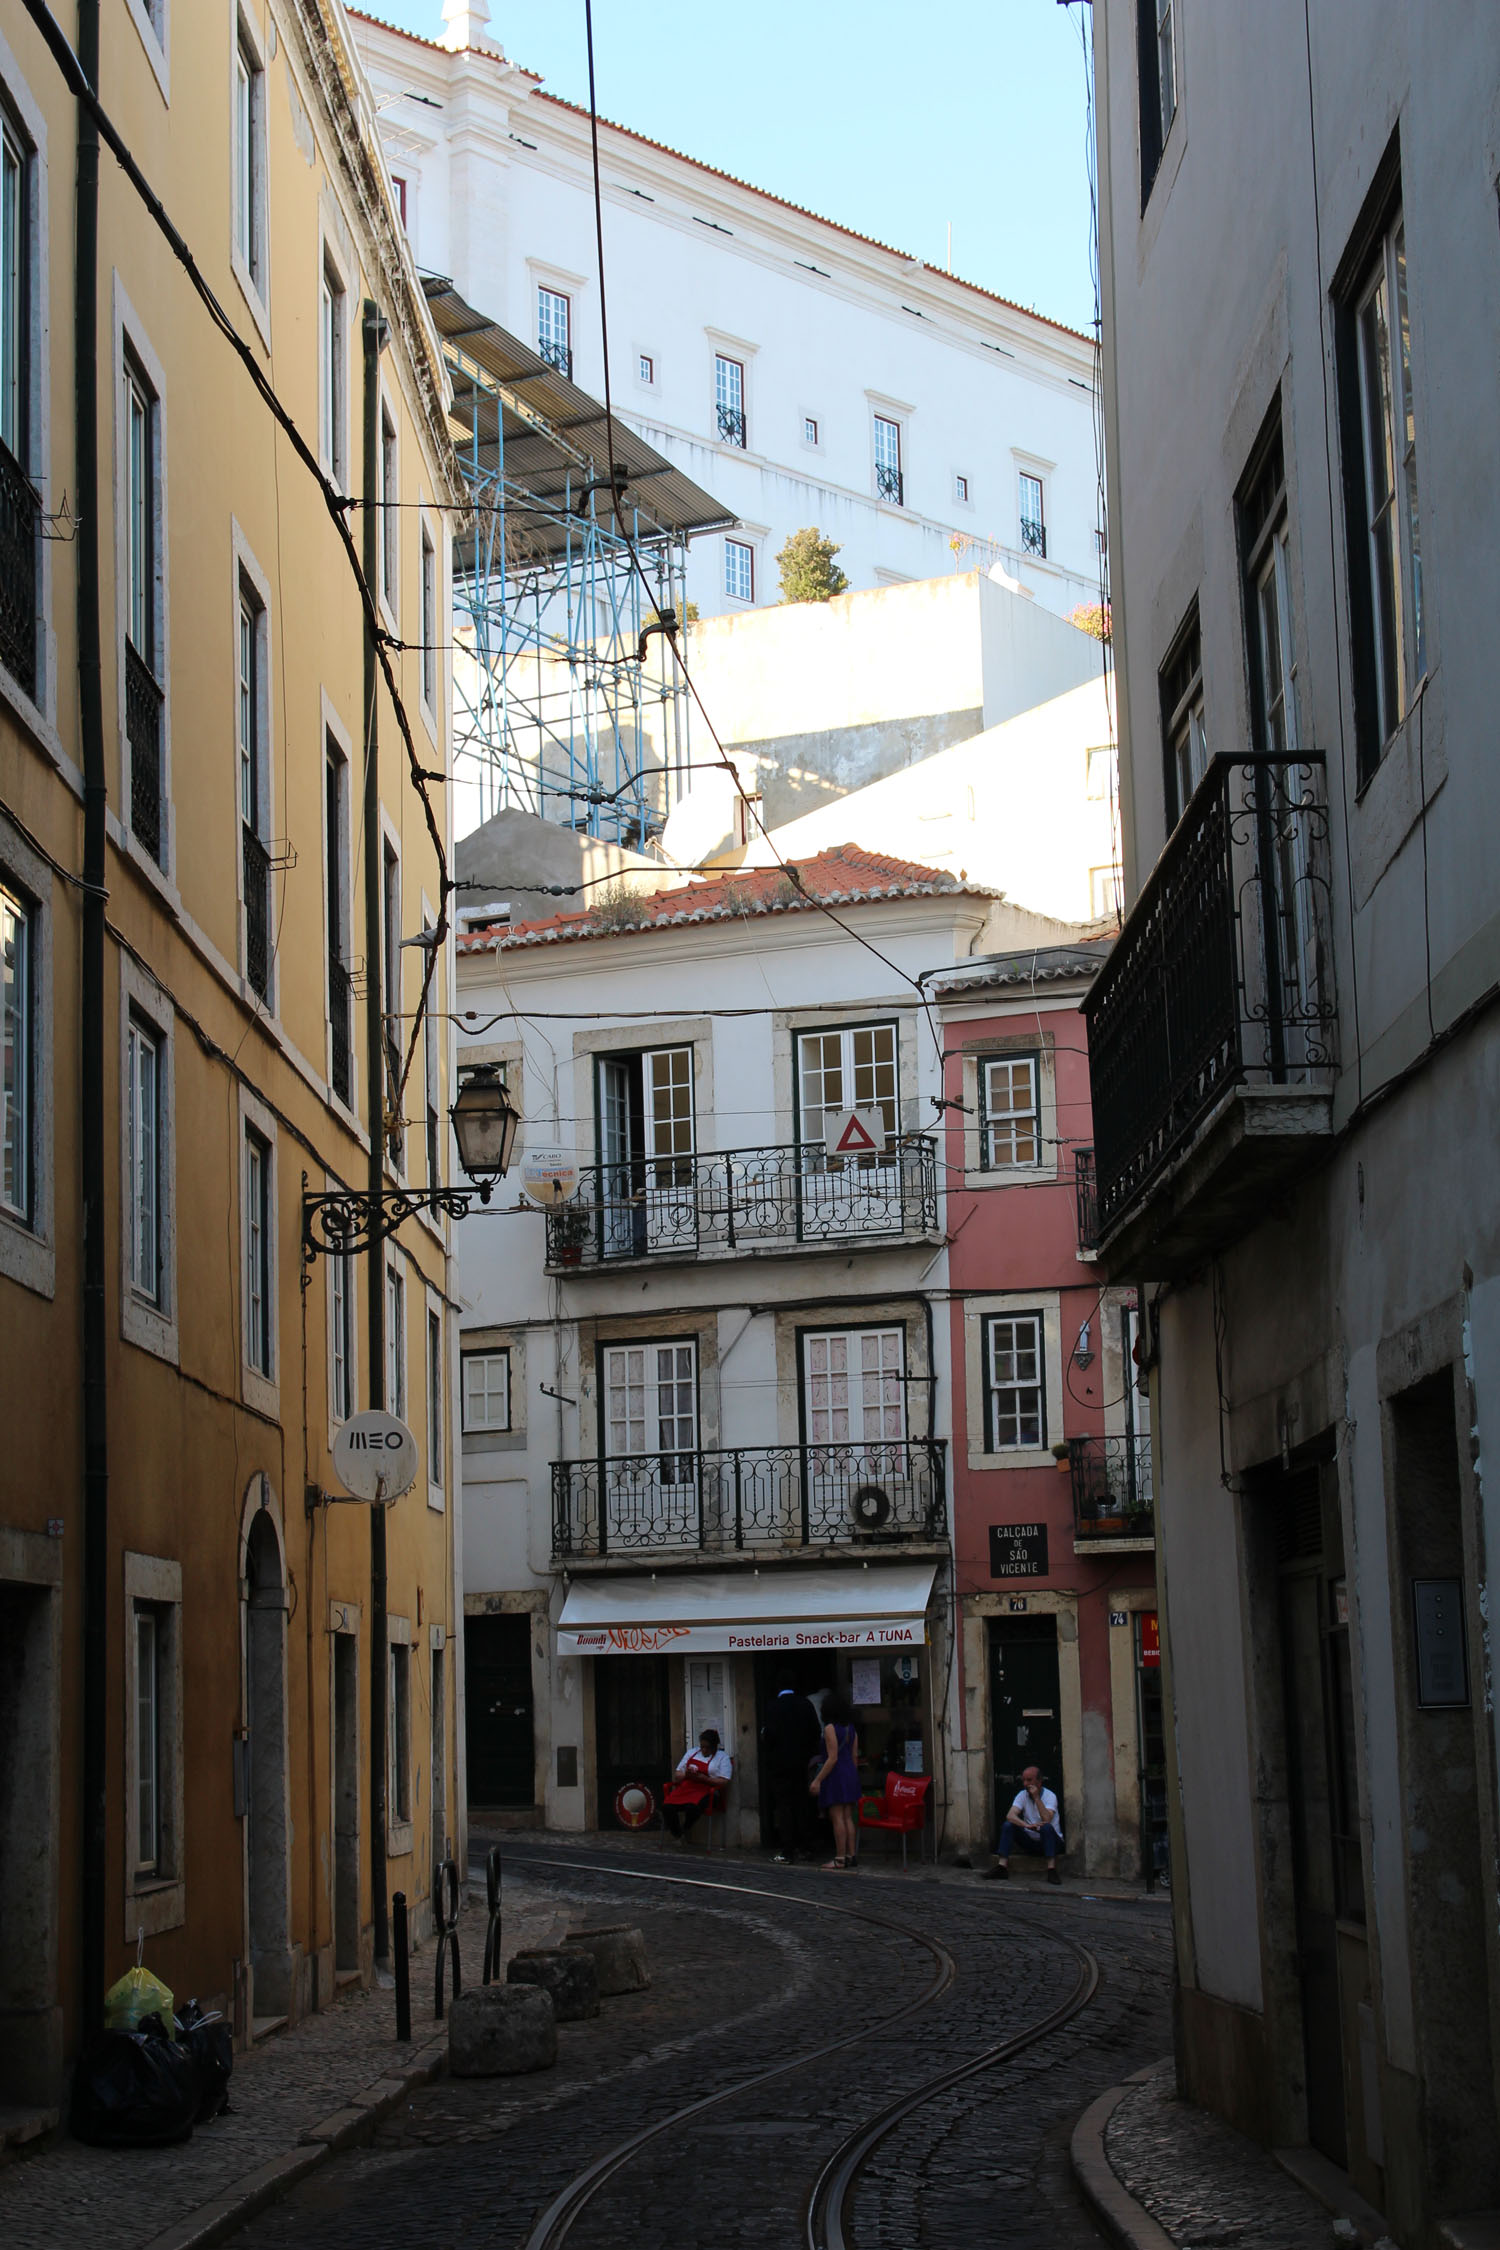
(1033, 1824)
(836, 1783)
(790, 1741)
(700, 1774)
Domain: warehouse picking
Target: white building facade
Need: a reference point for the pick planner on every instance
(800, 372)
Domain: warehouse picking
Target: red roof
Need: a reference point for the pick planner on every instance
(842, 875)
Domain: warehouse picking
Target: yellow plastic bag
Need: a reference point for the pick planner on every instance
(138, 1993)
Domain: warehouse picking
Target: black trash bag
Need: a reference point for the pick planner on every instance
(207, 2039)
(132, 2089)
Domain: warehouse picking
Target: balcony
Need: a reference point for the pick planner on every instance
(1086, 1198)
(750, 1499)
(341, 1029)
(731, 421)
(744, 1199)
(1212, 1027)
(20, 523)
(1114, 1499)
(557, 355)
(889, 483)
(143, 702)
(257, 866)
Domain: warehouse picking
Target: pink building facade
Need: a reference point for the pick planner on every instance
(1054, 1548)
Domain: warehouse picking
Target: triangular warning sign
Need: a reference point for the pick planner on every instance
(855, 1140)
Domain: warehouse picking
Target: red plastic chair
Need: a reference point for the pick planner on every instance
(901, 1807)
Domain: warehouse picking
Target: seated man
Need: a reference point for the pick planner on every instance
(1034, 1823)
(700, 1773)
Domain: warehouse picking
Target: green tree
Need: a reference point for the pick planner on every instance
(1092, 618)
(808, 570)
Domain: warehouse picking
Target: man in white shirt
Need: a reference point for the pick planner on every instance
(1034, 1824)
(700, 1775)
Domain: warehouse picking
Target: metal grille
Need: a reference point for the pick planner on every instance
(340, 1026)
(143, 702)
(731, 424)
(20, 519)
(888, 481)
(1222, 975)
(762, 1497)
(1114, 1496)
(557, 355)
(680, 1205)
(1033, 537)
(1086, 1194)
(257, 866)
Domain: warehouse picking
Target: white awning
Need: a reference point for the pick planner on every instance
(741, 1612)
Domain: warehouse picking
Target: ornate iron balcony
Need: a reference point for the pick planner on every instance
(744, 1198)
(143, 702)
(732, 424)
(1033, 537)
(1086, 1194)
(557, 355)
(20, 524)
(889, 483)
(341, 1028)
(1113, 1493)
(763, 1497)
(1221, 978)
(257, 866)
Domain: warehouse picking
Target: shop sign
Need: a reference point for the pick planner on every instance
(634, 1805)
(1150, 1638)
(905, 1668)
(731, 1639)
(1018, 1550)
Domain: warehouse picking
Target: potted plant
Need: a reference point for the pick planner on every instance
(571, 1228)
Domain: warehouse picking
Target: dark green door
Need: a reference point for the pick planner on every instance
(1310, 1784)
(1025, 1711)
(498, 1701)
(632, 1728)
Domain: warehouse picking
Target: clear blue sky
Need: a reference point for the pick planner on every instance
(891, 119)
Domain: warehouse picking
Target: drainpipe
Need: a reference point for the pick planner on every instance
(374, 333)
(91, 1059)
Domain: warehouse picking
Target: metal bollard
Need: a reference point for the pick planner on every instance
(403, 1966)
(445, 1923)
(492, 1899)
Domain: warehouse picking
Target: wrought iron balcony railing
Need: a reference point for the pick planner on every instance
(341, 1028)
(143, 703)
(557, 355)
(744, 1198)
(20, 525)
(889, 482)
(1222, 975)
(1033, 537)
(1113, 1493)
(758, 1498)
(731, 421)
(257, 866)
(1086, 1195)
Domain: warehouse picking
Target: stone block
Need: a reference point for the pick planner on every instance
(619, 1955)
(569, 1973)
(500, 2030)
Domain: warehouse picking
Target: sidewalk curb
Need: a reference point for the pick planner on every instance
(345, 2128)
(1124, 2220)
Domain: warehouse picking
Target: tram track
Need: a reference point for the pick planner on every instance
(828, 2203)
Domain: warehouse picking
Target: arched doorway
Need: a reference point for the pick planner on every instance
(267, 1817)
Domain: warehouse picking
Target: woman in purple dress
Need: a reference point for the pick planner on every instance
(836, 1783)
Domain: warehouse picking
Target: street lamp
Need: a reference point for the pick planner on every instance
(485, 1124)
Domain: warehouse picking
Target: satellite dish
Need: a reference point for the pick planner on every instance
(375, 1456)
(549, 1176)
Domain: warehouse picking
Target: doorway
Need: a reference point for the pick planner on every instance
(1025, 1707)
(267, 1839)
(1151, 1740)
(346, 1852)
(500, 1704)
(632, 1728)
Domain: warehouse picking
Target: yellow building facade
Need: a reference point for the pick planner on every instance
(229, 1703)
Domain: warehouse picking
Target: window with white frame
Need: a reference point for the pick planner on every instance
(341, 1339)
(141, 470)
(152, 1743)
(434, 1396)
(809, 429)
(16, 260)
(651, 1403)
(854, 1068)
(888, 478)
(647, 368)
(260, 1307)
(739, 570)
(145, 1085)
(18, 1028)
(395, 1342)
(961, 490)
(1183, 715)
(1386, 559)
(429, 621)
(1010, 1118)
(1099, 774)
(398, 189)
(390, 512)
(1033, 518)
(554, 329)
(398, 1727)
(333, 371)
(854, 1387)
(431, 1022)
(729, 399)
(1014, 1382)
(390, 907)
(249, 156)
(486, 1390)
(336, 893)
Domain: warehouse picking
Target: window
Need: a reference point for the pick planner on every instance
(398, 1723)
(739, 570)
(1380, 476)
(651, 1405)
(249, 161)
(434, 1397)
(888, 480)
(729, 399)
(141, 506)
(1106, 893)
(851, 1069)
(1015, 1404)
(961, 490)
(647, 368)
(1010, 1127)
(390, 514)
(809, 430)
(336, 890)
(332, 372)
(1156, 57)
(486, 1390)
(398, 189)
(249, 710)
(1033, 523)
(855, 1387)
(150, 1692)
(1267, 591)
(259, 1268)
(429, 622)
(391, 971)
(1184, 729)
(554, 330)
(645, 1111)
(147, 1739)
(17, 1054)
(144, 1107)
(1099, 772)
(255, 858)
(15, 277)
(341, 1322)
(140, 514)
(395, 1342)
